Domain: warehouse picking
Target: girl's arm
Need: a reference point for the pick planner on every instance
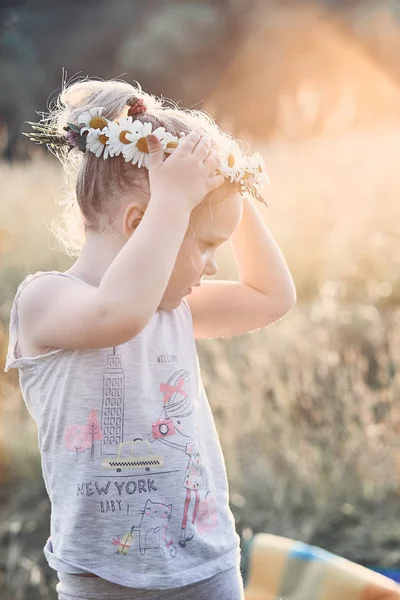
(63, 313)
(264, 293)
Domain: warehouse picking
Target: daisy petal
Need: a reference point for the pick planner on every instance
(84, 117)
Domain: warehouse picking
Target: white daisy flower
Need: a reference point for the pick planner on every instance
(171, 142)
(118, 134)
(138, 152)
(96, 142)
(255, 170)
(230, 167)
(92, 119)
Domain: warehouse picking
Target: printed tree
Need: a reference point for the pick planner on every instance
(93, 431)
(75, 438)
(80, 437)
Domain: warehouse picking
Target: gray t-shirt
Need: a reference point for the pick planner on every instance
(130, 456)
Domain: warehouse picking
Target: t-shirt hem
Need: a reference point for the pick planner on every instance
(176, 580)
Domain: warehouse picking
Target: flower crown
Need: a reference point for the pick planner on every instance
(126, 136)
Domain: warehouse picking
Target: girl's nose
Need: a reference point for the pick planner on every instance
(211, 268)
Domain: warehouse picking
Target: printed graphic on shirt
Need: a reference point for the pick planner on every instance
(125, 454)
(140, 457)
(132, 458)
(167, 358)
(152, 531)
(79, 437)
(175, 429)
(207, 516)
(113, 405)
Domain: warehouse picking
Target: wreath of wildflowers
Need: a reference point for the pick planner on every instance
(127, 137)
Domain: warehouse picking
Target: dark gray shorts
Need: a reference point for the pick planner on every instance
(227, 585)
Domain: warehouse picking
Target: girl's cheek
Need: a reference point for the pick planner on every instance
(202, 261)
(199, 263)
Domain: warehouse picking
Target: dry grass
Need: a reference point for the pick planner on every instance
(308, 409)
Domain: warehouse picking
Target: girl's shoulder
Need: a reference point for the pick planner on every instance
(42, 279)
(55, 276)
(28, 301)
(31, 298)
(36, 289)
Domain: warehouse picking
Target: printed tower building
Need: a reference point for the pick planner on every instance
(112, 414)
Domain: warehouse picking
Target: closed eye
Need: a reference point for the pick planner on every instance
(214, 244)
(218, 241)
(205, 245)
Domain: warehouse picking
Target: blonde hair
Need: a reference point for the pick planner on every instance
(91, 183)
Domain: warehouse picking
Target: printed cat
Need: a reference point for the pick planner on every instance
(154, 526)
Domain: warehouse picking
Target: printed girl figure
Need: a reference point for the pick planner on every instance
(156, 190)
(193, 482)
(178, 408)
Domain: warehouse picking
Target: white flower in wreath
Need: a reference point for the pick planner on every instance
(92, 119)
(255, 171)
(118, 132)
(96, 142)
(230, 167)
(171, 142)
(137, 152)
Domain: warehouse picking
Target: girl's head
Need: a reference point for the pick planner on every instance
(213, 224)
(110, 196)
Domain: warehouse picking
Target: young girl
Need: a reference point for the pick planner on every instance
(106, 351)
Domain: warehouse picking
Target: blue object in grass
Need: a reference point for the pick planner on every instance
(391, 573)
(306, 552)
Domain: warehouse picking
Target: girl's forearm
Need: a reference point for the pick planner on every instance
(133, 285)
(260, 262)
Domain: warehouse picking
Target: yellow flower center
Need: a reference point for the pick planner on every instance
(172, 145)
(231, 160)
(97, 123)
(103, 139)
(122, 137)
(142, 145)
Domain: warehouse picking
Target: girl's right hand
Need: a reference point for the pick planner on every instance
(188, 174)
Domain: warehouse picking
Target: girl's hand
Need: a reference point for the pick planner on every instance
(188, 175)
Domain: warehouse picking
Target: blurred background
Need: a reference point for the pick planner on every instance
(308, 410)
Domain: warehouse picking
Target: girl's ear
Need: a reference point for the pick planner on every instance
(132, 216)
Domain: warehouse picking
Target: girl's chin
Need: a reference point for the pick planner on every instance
(170, 304)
